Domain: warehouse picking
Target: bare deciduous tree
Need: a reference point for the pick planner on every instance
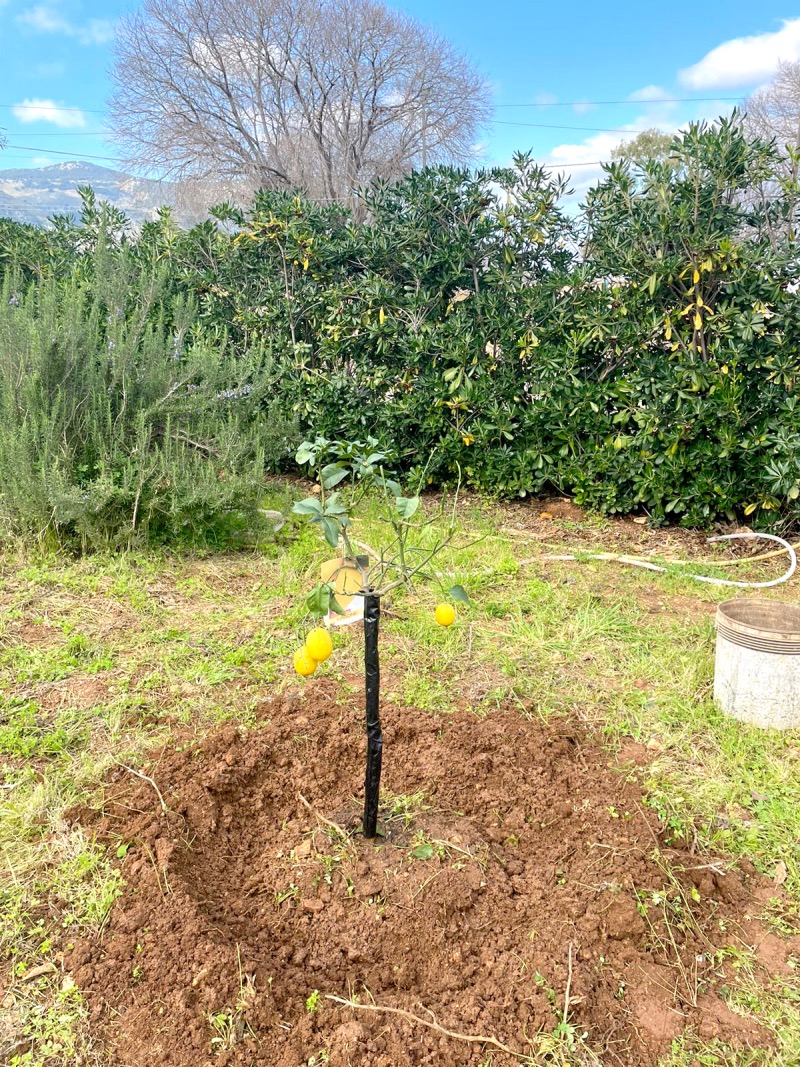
(774, 114)
(326, 96)
(774, 111)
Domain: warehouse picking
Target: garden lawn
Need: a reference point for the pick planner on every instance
(104, 658)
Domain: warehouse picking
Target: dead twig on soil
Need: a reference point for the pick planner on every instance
(569, 985)
(325, 822)
(147, 778)
(473, 1039)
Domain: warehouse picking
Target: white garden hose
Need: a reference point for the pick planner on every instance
(635, 562)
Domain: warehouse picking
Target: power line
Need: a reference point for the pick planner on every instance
(55, 152)
(569, 166)
(583, 129)
(652, 100)
(552, 103)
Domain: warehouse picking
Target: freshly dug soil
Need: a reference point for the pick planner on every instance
(519, 870)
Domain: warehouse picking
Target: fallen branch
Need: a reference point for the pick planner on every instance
(326, 822)
(472, 1039)
(147, 778)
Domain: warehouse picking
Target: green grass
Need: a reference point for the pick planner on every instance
(101, 657)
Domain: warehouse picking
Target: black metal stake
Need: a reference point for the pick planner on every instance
(372, 784)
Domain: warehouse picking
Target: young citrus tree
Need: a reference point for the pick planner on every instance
(359, 469)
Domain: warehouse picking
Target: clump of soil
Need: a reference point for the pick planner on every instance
(518, 866)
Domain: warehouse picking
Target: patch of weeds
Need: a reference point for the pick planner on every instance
(427, 693)
(402, 807)
(86, 883)
(35, 664)
(423, 848)
(669, 914)
(291, 892)
(229, 1027)
(318, 1058)
(782, 917)
(313, 1001)
(55, 1030)
(566, 1045)
(24, 733)
(689, 1051)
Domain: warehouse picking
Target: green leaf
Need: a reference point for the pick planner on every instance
(332, 475)
(423, 852)
(407, 506)
(319, 599)
(336, 607)
(305, 453)
(309, 506)
(458, 592)
(122, 850)
(330, 528)
(333, 506)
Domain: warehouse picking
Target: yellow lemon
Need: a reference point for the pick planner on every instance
(319, 645)
(303, 663)
(445, 614)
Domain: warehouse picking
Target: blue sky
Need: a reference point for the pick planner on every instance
(548, 64)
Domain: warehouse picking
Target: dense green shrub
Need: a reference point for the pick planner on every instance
(642, 355)
(121, 419)
(482, 334)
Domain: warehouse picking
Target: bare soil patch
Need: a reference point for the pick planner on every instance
(518, 865)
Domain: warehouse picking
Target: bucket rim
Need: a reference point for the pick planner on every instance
(730, 612)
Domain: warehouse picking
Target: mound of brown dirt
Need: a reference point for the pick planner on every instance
(518, 867)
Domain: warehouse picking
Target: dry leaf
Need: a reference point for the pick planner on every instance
(545, 515)
(640, 520)
(37, 972)
(779, 877)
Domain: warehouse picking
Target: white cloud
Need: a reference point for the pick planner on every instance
(649, 92)
(581, 161)
(580, 107)
(48, 111)
(42, 161)
(745, 61)
(587, 155)
(545, 99)
(46, 19)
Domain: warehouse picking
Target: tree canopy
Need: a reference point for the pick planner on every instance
(291, 93)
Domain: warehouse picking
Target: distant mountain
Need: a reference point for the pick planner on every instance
(34, 195)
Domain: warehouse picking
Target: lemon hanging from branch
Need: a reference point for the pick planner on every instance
(319, 645)
(304, 664)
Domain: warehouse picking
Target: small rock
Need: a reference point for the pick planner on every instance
(370, 887)
(312, 905)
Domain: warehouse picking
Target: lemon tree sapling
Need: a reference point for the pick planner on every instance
(347, 472)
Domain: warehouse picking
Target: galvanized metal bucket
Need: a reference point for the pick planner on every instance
(757, 667)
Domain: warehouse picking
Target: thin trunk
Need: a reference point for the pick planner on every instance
(372, 784)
